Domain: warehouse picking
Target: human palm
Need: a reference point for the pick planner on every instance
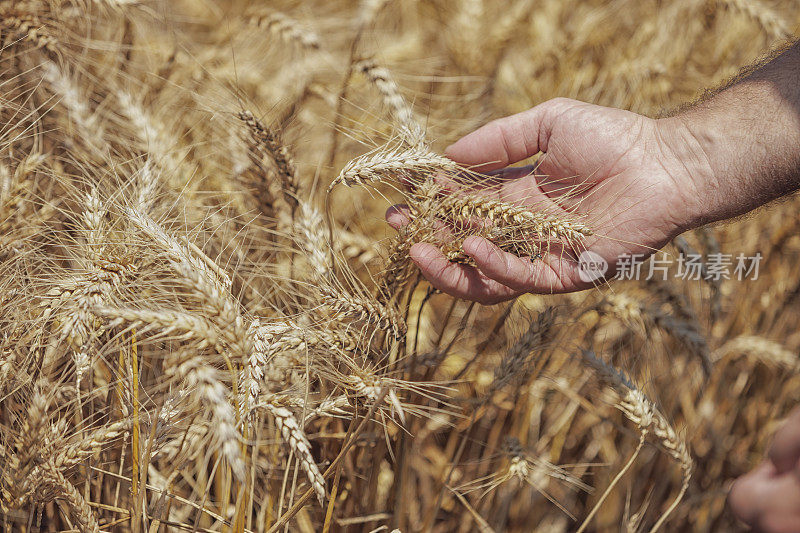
(605, 167)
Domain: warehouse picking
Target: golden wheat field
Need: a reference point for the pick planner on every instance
(207, 325)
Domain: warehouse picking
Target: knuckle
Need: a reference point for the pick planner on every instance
(559, 100)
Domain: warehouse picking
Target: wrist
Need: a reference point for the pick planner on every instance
(688, 151)
(736, 151)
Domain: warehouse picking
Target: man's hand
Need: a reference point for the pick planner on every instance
(623, 179)
(768, 498)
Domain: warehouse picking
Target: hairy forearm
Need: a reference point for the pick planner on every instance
(740, 148)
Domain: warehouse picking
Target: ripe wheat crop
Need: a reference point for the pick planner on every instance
(206, 325)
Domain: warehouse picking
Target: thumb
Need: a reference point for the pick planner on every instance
(507, 140)
(785, 450)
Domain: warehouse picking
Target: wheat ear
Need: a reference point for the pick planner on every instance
(204, 381)
(410, 129)
(75, 453)
(67, 492)
(769, 21)
(284, 27)
(762, 349)
(371, 311)
(71, 97)
(515, 360)
(269, 142)
(393, 165)
(641, 411)
(297, 441)
(504, 214)
(314, 233)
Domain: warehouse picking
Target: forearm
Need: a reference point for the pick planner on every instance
(741, 148)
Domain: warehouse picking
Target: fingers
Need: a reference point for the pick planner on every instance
(506, 140)
(457, 280)
(499, 275)
(552, 274)
(397, 216)
(744, 498)
(766, 500)
(785, 449)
